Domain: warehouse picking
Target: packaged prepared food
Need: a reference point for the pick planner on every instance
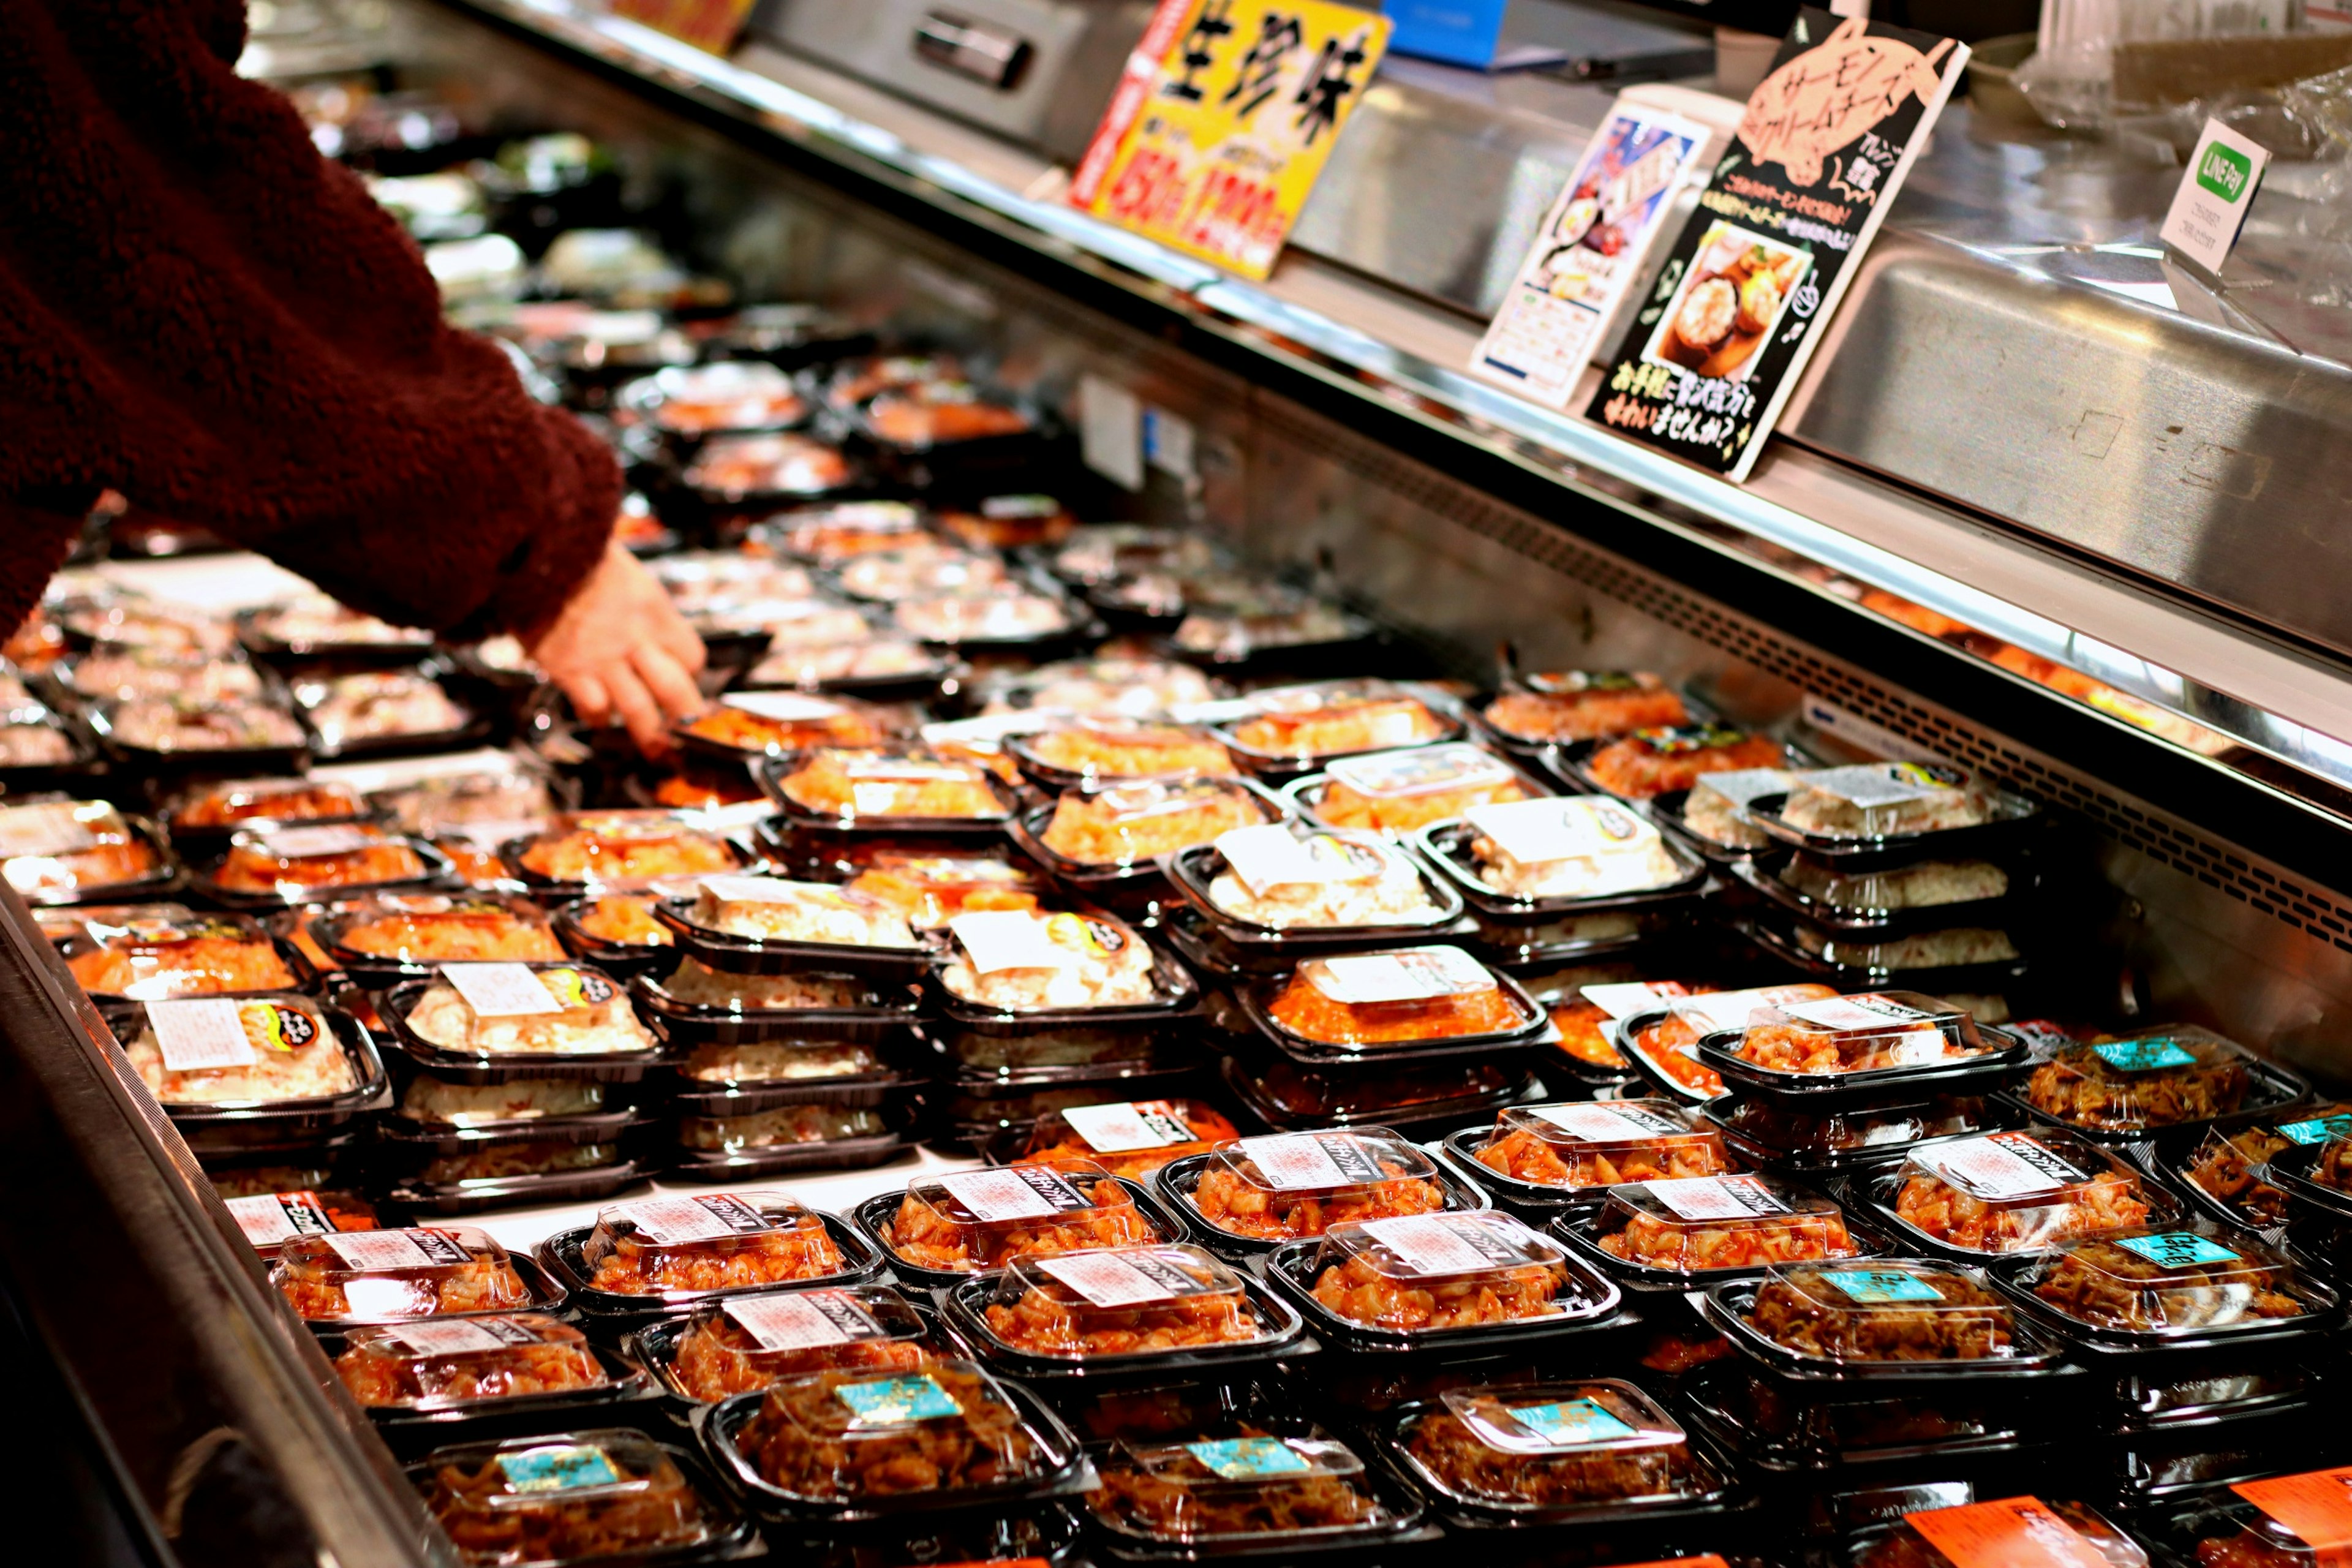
(929, 890)
(966, 1221)
(1586, 1014)
(861, 380)
(778, 1061)
(624, 920)
(193, 724)
(1136, 688)
(745, 1342)
(678, 1245)
(692, 786)
(1868, 1032)
(925, 569)
(1890, 1310)
(1007, 613)
(128, 623)
(1283, 878)
(781, 1127)
(1396, 792)
(776, 723)
(2279, 1522)
(903, 784)
(509, 1159)
(1142, 819)
(222, 1051)
(1288, 1185)
(1110, 550)
(474, 801)
(1584, 705)
(1884, 800)
(434, 1100)
(840, 530)
(439, 928)
(590, 1495)
(150, 952)
(1554, 1447)
(697, 580)
(730, 394)
(864, 658)
(1925, 884)
(859, 1436)
(1833, 1134)
(2018, 1192)
(315, 621)
(270, 1213)
(1028, 961)
(734, 467)
(769, 908)
(1951, 948)
(294, 862)
(2017, 1533)
(1423, 1273)
(122, 674)
(1417, 994)
(699, 985)
(1260, 621)
(1008, 521)
(2221, 1167)
(1232, 1490)
(362, 1276)
(375, 705)
(1695, 1225)
(2153, 1077)
(1103, 747)
(1121, 1301)
(1670, 1045)
(623, 849)
(940, 413)
(1293, 1094)
(787, 623)
(1602, 1144)
(1716, 807)
(446, 1363)
(1654, 761)
(1127, 1138)
(34, 742)
(54, 850)
(241, 801)
(513, 1009)
(2149, 1280)
(1305, 723)
(1575, 847)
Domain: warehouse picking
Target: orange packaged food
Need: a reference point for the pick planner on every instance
(1869, 1032)
(1299, 1184)
(1129, 1137)
(433, 928)
(1407, 994)
(734, 467)
(1431, 1272)
(2018, 1192)
(1549, 1448)
(940, 413)
(443, 1362)
(675, 1246)
(1122, 823)
(370, 1275)
(776, 723)
(1670, 1045)
(1603, 1145)
(1124, 1301)
(276, 800)
(1586, 1015)
(157, 951)
(966, 1221)
(929, 890)
(294, 861)
(1127, 749)
(1009, 521)
(1655, 762)
(1305, 722)
(912, 783)
(588, 1494)
(1396, 792)
(1585, 705)
(844, 1437)
(54, 850)
(1699, 1224)
(624, 849)
(624, 920)
(746, 1342)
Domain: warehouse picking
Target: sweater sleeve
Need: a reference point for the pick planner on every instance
(200, 311)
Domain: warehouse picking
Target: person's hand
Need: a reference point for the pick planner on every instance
(620, 650)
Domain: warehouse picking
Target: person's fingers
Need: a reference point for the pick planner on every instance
(637, 709)
(590, 700)
(680, 640)
(668, 681)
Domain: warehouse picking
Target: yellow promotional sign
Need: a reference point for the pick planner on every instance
(708, 25)
(1222, 120)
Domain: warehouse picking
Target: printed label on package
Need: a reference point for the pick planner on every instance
(1716, 1010)
(803, 1319)
(1420, 771)
(463, 1336)
(996, 939)
(1129, 1125)
(1016, 1191)
(372, 1251)
(2152, 1054)
(501, 990)
(782, 707)
(1623, 998)
(51, 827)
(200, 1034)
(2178, 1249)
(2318, 1129)
(271, 1219)
(1291, 1162)
(306, 843)
(773, 890)
(559, 1468)
(1120, 1278)
(1581, 826)
(2316, 1505)
(1437, 1243)
(1418, 974)
(1269, 856)
(1717, 1197)
(897, 1400)
(1881, 1287)
(669, 1222)
(1742, 785)
(1847, 1014)
(2014, 1533)
(1710, 357)
(1569, 1424)
(2002, 1165)
(1870, 785)
(1249, 1459)
(1599, 1123)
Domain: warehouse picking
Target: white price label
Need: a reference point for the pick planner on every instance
(1269, 856)
(51, 827)
(1008, 939)
(782, 707)
(308, 843)
(463, 1336)
(1868, 784)
(271, 1219)
(1108, 1279)
(200, 1034)
(670, 1222)
(1608, 1123)
(1417, 974)
(1717, 1197)
(1630, 996)
(2003, 1165)
(501, 990)
(1128, 1125)
(770, 890)
(803, 1320)
(373, 1251)
(1434, 1244)
(1741, 785)
(1533, 832)
(1016, 1191)
(1846, 1013)
(1295, 1162)
(1725, 1009)
(491, 837)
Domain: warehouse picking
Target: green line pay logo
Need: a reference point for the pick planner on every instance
(2224, 172)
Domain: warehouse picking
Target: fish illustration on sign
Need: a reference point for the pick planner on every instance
(1831, 94)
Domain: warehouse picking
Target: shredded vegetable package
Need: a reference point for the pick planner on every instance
(1300, 1184)
(678, 1247)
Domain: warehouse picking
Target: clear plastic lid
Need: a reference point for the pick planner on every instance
(1029, 960)
(1124, 824)
(777, 722)
(1397, 792)
(2153, 1077)
(1670, 1045)
(1881, 800)
(1657, 762)
(152, 952)
(965, 1221)
(293, 861)
(746, 1342)
(526, 1010)
(1924, 884)
(1697, 1225)
(1832, 1134)
(910, 783)
(675, 1246)
(434, 928)
(731, 395)
(1406, 994)
(1292, 1185)
(1949, 947)
(249, 1050)
(847, 1436)
(929, 890)
(553, 1499)
(1574, 847)
(1127, 1138)
(770, 908)
(624, 850)
(1335, 718)
(277, 800)
(1284, 877)
(362, 1276)
(2010, 1533)
(1889, 1310)
(1233, 1489)
(1123, 1301)
(441, 1364)
(1863, 1033)
(1603, 1145)
(1547, 1446)
(1110, 746)
(1716, 807)
(2191, 1279)
(2223, 1165)
(2282, 1521)
(1584, 705)
(2018, 1192)
(1420, 1273)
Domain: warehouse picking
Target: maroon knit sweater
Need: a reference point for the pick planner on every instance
(200, 311)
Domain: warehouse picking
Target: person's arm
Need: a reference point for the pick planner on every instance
(198, 311)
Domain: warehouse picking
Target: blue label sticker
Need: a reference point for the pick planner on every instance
(1247, 1459)
(2318, 1129)
(1574, 1424)
(2158, 1051)
(897, 1400)
(559, 1468)
(1876, 1287)
(2177, 1249)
